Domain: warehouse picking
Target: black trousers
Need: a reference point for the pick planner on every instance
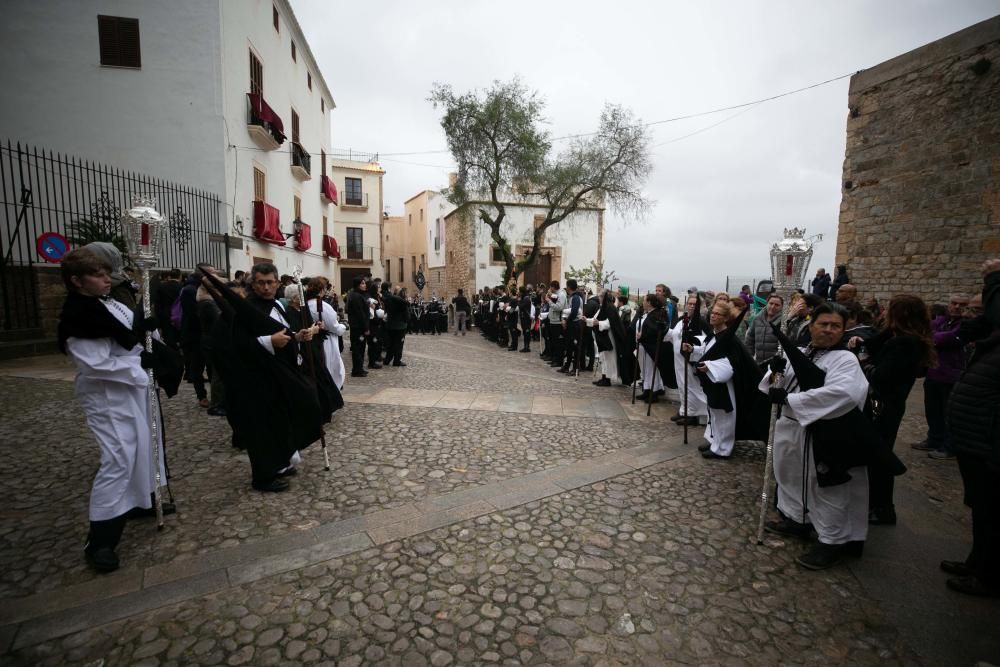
(375, 344)
(555, 348)
(194, 368)
(394, 345)
(571, 340)
(935, 404)
(358, 343)
(105, 533)
(514, 333)
(982, 495)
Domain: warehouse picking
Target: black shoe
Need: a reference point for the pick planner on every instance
(359, 374)
(822, 556)
(399, 363)
(661, 392)
(959, 568)
(642, 397)
(923, 446)
(563, 369)
(603, 382)
(704, 447)
(677, 418)
(102, 559)
(688, 421)
(288, 472)
(276, 485)
(788, 528)
(555, 364)
(217, 412)
(882, 517)
(525, 351)
(146, 512)
(709, 454)
(376, 365)
(972, 585)
(854, 548)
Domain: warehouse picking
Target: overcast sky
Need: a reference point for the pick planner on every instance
(723, 195)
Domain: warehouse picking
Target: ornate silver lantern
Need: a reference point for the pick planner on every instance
(790, 260)
(145, 230)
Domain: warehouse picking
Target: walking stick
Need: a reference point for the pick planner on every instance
(685, 356)
(312, 364)
(776, 379)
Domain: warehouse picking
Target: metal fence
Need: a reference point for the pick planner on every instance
(44, 191)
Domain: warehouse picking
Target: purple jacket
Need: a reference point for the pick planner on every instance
(951, 359)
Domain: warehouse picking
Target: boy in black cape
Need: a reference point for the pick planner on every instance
(273, 410)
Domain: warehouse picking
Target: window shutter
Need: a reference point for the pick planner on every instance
(128, 39)
(119, 41)
(107, 34)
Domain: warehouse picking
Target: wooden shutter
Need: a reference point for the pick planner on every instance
(309, 80)
(322, 157)
(293, 52)
(119, 41)
(298, 207)
(295, 126)
(256, 75)
(275, 18)
(259, 185)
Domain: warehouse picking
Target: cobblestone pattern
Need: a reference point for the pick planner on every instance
(921, 178)
(655, 567)
(382, 457)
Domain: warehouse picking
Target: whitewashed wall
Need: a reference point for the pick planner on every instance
(246, 25)
(438, 207)
(577, 235)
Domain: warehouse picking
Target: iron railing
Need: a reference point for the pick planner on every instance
(301, 157)
(355, 199)
(44, 191)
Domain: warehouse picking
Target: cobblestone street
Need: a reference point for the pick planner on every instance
(481, 509)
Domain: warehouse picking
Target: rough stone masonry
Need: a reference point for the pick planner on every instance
(921, 189)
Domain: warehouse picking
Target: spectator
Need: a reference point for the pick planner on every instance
(875, 308)
(972, 410)
(858, 323)
(194, 359)
(166, 293)
(847, 293)
(746, 295)
(899, 354)
(760, 338)
(462, 312)
(839, 281)
(941, 378)
(821, 284)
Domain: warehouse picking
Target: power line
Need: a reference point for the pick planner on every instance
(707, 127)
(675, 119)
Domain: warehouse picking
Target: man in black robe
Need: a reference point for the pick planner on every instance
(273, 410)
(612, 343)
(359, 321)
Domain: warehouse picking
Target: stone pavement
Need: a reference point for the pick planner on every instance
(481, 509)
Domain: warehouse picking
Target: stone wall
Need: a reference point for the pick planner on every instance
(921, 188)
(460, 245)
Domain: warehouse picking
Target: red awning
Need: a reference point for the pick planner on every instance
(263, 112)
(303, 237)
(330, 248)
(328, 189)
(267, 223)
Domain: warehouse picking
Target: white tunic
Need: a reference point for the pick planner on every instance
(331, 344)
(721, 431)
(608, 358)
(838, 513)
(697, 405)
(113, 390)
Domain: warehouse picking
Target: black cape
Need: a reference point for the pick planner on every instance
(85, 317)
(752, 407)
(272, 409)
(842, 442)
(654, 328)
(623, 351)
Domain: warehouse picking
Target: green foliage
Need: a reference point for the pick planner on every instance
(592, 275)
(504, 156)
(84, 230)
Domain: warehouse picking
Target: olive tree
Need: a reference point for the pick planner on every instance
(505, 156)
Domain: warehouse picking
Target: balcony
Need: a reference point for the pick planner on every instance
(355, 254)
(263, 124)
(353, 201)
(301, 162)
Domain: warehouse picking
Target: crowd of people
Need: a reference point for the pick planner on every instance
(835, 374)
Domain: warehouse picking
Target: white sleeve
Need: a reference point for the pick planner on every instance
(603, 325)
(265, 342)
(719, 370)
(845, 388)
(94, 361)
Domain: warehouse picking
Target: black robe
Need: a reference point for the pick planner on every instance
(654, 328)
(752, 407)
(272, 408)
(622, 348)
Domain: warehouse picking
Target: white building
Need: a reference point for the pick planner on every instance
(165, 89)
